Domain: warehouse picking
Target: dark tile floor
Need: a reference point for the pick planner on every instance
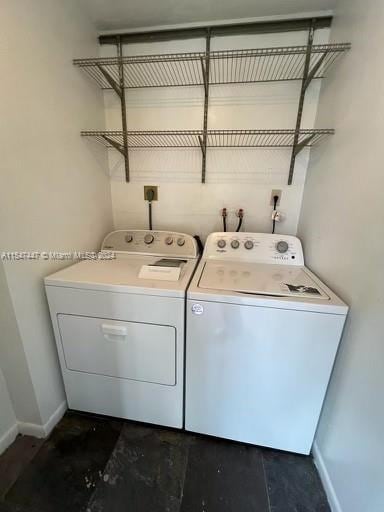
(93, 464)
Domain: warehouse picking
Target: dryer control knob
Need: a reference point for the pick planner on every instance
(248, 244)
(221, 243)
(180, 242)
(169, 240)
(148, 239)
(282, 246)
(235, 244)
(128, 238)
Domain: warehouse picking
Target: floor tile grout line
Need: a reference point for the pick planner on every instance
(266, 482)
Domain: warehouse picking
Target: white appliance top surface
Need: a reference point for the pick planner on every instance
(263, 272)
(260, 279)
(121, 274)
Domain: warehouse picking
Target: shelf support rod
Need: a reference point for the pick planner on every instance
(301, 100)
(314, 70)
(110, 80)
(114, 144)
(203, 143)
(301, 145)
(123, 107)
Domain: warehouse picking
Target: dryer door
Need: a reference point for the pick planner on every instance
(126, 350)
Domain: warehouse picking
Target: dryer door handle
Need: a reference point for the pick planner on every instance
(114, 332)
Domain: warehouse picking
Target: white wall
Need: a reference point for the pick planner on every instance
(235, 178)
(13, 360)
(54, 192)
(8, 425)
(341, 225)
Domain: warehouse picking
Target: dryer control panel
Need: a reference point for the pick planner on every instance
(156, 243)
(254, 247)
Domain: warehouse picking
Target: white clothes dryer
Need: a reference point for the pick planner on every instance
(119, 326)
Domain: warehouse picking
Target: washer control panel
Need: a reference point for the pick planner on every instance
(255, 247)
(157, 243)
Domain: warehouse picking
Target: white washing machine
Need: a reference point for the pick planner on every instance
(119, 326)
(262, 336)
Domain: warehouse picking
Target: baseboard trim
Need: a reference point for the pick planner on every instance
(8, 438)
(31, 429)
(40, 431)
(55, 418)
(325, 479)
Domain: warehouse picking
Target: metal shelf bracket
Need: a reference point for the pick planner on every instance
(123, 107)
(301, 145)
(304, 84)
(114, 144)
(115, 86)
(314, 70)
(202, 147)
(203, 141)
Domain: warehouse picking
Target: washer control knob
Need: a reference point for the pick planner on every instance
(128, 238)
(169, 240)
(248, 244)
(282, 246)
(148, 239)
(180, 242)
(235, 244)
(221, 243)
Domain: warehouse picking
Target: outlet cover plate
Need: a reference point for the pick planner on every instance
(147, 188)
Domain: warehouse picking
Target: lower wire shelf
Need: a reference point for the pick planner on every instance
(214, 139)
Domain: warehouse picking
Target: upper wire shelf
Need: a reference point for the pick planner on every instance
(215, 138)
(226, 66)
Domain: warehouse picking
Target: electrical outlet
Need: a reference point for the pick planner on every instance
(273, 194)
(147, 189)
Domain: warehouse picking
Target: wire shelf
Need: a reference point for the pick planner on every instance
(271, 64)
(215, 138)
(226, 67)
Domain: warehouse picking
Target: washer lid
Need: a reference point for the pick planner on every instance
(260, 279)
